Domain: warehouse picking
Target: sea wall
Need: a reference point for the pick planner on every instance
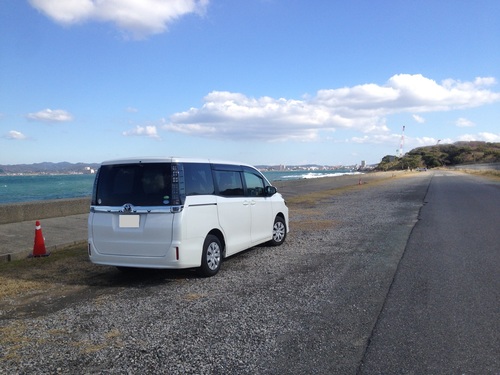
(17, 212)
(478, 167)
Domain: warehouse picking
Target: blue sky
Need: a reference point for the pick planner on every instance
(259, 81)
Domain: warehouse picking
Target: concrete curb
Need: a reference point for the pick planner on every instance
(18, 212)
(51, 249)
(59, 233)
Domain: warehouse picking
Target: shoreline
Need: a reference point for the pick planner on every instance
(46, 209)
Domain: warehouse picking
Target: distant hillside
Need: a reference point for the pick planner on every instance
(444, 155)
(48, 168)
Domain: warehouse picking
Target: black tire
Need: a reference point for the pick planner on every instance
(279, 231)
(211, 257)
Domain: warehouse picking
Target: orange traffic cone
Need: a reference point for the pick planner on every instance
(39, 246)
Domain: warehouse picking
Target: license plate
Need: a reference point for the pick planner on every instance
(129, 221)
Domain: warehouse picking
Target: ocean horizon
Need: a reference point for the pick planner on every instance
(30, 188)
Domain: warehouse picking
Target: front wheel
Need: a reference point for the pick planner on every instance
(211, 257)
(279, 231)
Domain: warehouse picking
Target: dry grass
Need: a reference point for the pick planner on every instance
(12, 337)
(193, 296)
(311, 200)
(314, 225)
(64, 271)
(490, 173)
(304, 209)
(305, 213)
(110, 339)
(314, 199)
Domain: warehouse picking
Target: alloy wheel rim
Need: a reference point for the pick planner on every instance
(213, 256)
(279, 231)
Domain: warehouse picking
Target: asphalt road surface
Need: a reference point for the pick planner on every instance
(442, 315)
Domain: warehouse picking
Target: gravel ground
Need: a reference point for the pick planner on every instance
(308, 306)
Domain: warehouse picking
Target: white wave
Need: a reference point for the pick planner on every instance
(321, 175)
(301, 176)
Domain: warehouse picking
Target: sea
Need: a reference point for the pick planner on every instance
(28, 188)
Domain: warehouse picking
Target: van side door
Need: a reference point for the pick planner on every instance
(234, 210)
(261, 207)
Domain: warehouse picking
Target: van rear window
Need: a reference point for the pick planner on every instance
(148, 184)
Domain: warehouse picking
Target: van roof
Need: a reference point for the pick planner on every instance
(170, 159)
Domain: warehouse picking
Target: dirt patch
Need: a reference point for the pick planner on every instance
(36, 286)
(31, 287)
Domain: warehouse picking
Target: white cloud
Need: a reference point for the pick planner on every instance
(418, 119)
(138, 18)
(15, 135)
(489, 137)
(144, 131)
(464, 123)
(485, 81)
(378, 139)
(483, 136)
(131, 110)
(410, 142)
(425, 95)
(49, 115)
(233, 115)
(427, 141)
(362, 108)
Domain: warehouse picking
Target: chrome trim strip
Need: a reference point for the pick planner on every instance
(137, 210)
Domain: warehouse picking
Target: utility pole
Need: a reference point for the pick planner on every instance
(401, 144)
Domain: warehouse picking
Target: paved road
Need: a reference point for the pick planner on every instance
(442, 314)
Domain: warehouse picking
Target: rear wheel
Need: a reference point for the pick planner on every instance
(211, 257)
(279, 231)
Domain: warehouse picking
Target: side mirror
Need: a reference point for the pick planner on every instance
(270, 191)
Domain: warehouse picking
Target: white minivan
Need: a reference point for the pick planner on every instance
(181, 213)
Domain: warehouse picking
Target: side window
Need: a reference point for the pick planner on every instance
(229, 183)
(198, 179)
(255, 185)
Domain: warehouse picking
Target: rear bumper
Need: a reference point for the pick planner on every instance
(174, 258)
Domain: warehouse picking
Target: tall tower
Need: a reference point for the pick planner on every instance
(401, 144)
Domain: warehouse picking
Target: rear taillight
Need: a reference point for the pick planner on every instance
(175, 185)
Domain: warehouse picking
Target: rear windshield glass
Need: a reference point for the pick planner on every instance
(137, 184)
